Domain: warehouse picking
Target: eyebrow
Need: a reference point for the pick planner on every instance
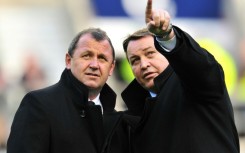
(146, 48)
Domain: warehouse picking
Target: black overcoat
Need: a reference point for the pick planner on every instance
(58, 119)
(192, 112)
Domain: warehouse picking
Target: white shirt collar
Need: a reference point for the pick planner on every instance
(153, 94)
(97, 101)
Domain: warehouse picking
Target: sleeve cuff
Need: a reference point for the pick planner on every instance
(168, 45)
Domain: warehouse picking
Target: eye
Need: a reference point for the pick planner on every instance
(102, 58)
(150, 53)
(134, 61)
(86, 56)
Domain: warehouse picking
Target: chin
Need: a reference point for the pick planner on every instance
(150, 86)
(92, 85)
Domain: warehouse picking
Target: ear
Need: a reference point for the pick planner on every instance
(68, 61)
(112, 67)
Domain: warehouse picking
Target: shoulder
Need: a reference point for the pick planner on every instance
(46, 95)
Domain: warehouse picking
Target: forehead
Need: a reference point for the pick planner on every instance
(88, 39)
(139, 45)
(88, 43)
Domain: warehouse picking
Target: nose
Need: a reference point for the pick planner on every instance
(144, 64)
(94, 64)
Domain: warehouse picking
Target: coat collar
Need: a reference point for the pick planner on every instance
(160, 80)
(79, 92)
(135, 95)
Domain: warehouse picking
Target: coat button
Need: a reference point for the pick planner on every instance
(82, 113)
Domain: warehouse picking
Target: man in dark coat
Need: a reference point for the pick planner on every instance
(61, 118)
(179, 92)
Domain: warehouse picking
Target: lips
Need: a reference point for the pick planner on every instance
(148, 75)
(92, 74)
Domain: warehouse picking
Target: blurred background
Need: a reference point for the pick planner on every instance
(35, 35)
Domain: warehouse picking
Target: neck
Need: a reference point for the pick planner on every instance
(93, 94)
(152, 89)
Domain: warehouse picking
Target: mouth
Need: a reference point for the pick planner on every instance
(92, 74)
(148, 75)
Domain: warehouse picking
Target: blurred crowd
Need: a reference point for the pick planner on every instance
(32, 78)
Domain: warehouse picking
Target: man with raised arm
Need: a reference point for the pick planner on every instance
(179, 92)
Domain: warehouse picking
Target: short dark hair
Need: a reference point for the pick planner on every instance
(135, 36)
(96, 33)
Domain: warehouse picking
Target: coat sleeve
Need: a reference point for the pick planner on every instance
(30, 128)
(200, 74)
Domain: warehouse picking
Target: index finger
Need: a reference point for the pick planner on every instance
(148, 11)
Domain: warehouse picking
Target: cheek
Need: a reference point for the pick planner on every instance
(81, 64)
(76, 67)
(136, 71)
(161, 64)
(106, 69)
